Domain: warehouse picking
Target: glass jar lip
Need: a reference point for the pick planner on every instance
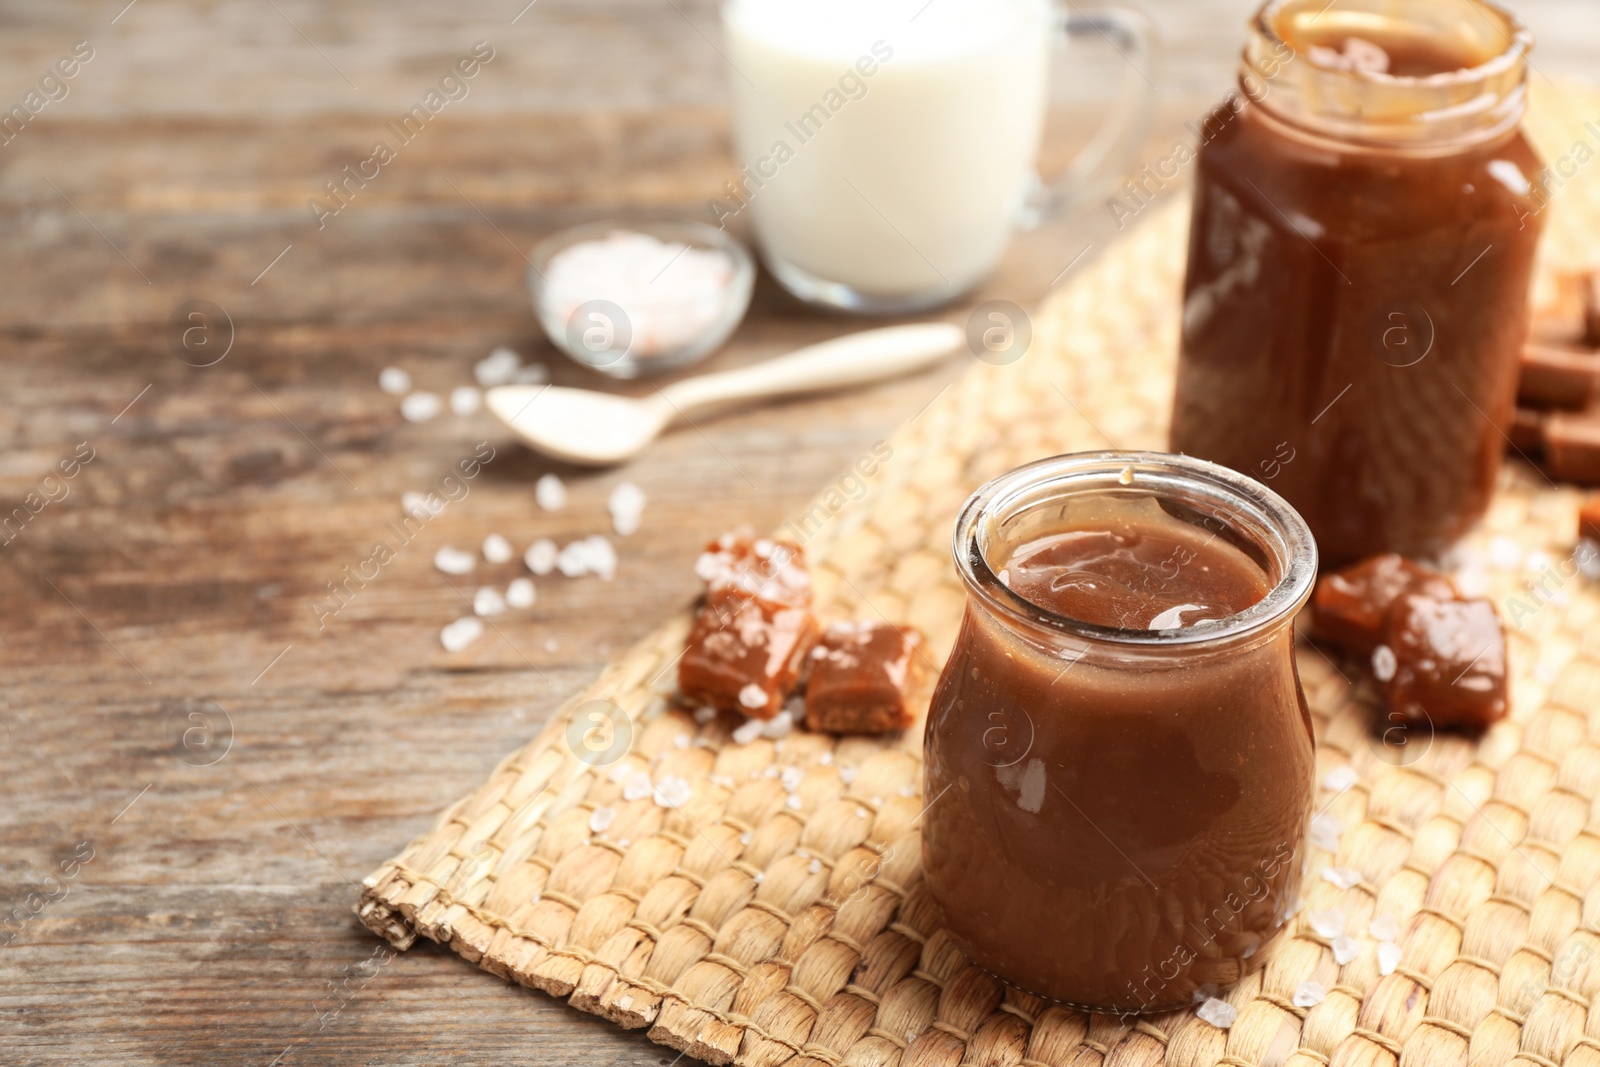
(1428, 114)
(1293, 546)
(1519, 42)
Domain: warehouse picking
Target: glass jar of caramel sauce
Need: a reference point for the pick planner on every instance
(1360, 253)
(1119, 757)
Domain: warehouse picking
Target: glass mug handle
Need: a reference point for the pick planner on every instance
(1094, 171)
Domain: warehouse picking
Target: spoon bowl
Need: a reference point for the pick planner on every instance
(579, 425)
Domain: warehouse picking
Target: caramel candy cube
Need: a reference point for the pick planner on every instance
(1351, 606)
(1590, 283)
(1572, 446)
(745, 654)
(1589, 520)
(863, 676)
(1448, 664)
(1527, 432)
(772, 570)
(1556, 377)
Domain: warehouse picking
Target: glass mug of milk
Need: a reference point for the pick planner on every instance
(887, 147)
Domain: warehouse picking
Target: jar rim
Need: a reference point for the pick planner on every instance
(1257, 512)
(1519, 42)
(1361, 107)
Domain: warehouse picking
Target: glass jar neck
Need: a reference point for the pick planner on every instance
(1034, 501)
(1292, 71)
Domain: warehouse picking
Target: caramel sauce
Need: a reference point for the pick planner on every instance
(1108, 835)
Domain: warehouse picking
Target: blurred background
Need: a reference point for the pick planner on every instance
(211, 921)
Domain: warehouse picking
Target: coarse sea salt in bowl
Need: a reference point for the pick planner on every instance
(637, 298)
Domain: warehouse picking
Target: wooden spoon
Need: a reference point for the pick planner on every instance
(596, 429)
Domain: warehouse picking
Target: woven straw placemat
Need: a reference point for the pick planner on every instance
(774, 913)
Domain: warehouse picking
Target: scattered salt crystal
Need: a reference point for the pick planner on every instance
(704, 714)
(1538, 561)
(550, 492)
(1388, 957)
(420, 406)
(461, 633)
(1472, 581)
(673, 792)
(747, 732)
(753, 696)
(814, 867)
(1324, 832)
(600, 820)
(793, 803)
(520, 593)
(454, 560)
(573, 560)
(759, 875)
(744, 838)
(627, 507)
(619, 772)
(394, 381)
(1385, 927)
(791, 778)
(637, 787)
(551, 644)
(465, 399)
(497, 368)
(497, 549)
(847, 775)
(541, 556)
(1345, 949)
(1218, 1013)
(1343, 877)
(1384, 663)
(602, 558)
(779, 726)
(623, 843)
(681, 741)
(770, 770)
(825, 759)
(1329, 924)
(863, 813)
(908, 790)
(626, 497)
(414, 503)
(1505, 554)
(487, 601)
(1340, 778)
(1309, 994)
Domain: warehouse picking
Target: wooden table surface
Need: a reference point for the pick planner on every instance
(205, 867)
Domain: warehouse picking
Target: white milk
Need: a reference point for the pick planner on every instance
(888, 144)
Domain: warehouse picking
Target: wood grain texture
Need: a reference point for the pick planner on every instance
(182, 563)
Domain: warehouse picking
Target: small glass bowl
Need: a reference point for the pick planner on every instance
(603, 336)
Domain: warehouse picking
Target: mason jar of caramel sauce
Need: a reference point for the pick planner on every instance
(1119, 757)
(1363, 232)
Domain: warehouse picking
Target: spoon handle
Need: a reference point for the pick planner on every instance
(855, 359)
